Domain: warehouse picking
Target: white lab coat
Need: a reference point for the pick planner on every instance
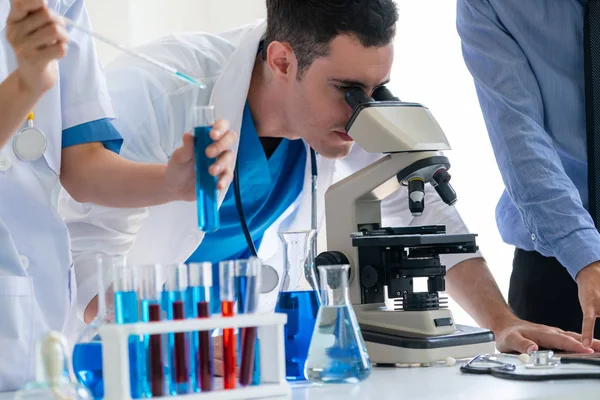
(37, 283)
(152, 110)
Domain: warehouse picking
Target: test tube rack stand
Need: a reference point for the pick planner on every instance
(115, 355)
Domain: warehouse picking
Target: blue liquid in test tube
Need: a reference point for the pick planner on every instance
(206, 184)
(126, 312)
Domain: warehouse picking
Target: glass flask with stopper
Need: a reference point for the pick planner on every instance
(337, 351)
(299, 300)
(52, 374)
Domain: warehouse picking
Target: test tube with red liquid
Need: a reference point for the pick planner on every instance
(200, 287)
(249, 366)
(226, 286)
(175, 288)
(149, 291)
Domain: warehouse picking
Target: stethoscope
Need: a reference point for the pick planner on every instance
(30, 143)
(488, 364)
(269, 275)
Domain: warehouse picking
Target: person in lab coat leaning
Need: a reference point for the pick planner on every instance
(54, 72)
(281, 84)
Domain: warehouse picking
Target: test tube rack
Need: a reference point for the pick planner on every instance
(115, 355)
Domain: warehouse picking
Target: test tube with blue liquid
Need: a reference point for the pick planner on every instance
(127, 312)
(174, 301)
(87, 352)
(206, 184)
(200, 280)
(149, 290)
(250, 360)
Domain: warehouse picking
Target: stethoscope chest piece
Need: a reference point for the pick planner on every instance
(269, 279)
(541, 359)
(30, 143)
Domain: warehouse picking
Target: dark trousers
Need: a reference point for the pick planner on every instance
(542, 291)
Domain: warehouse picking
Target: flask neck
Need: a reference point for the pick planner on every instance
(298, 268)
(334, 285)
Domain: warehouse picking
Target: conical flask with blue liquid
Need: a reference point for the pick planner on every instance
(299, 300)
(337, 351)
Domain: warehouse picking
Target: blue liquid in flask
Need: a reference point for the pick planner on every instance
(206, 184)
(337, 353)
(301, 308)
(87, 365)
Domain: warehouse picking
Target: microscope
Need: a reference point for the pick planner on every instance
(398, 324)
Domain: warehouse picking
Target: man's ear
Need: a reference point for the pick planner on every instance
(281, 60)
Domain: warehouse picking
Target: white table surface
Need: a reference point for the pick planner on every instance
(448, 383)
(441, 382)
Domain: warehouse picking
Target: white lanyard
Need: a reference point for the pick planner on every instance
(30, 142)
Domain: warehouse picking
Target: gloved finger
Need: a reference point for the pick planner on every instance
(225, 179)
(219, 129)
(223, 163)
(587, 328)
(519, 343)
(185, 153)
(595, 343)
(223, 144)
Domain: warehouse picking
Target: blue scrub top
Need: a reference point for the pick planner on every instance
(267, 188)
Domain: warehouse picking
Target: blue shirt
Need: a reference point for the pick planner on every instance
(267, 188)
(526, 58)
(101, 130)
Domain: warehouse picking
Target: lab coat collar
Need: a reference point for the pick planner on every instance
(231, 89)
(4, 10)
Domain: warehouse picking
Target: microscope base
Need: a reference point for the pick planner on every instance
(406, 348)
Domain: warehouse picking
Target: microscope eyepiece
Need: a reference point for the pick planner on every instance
(356, 96)
(382, 93)
(441, 182)
(416, 196)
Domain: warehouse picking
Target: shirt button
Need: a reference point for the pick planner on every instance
(4, 163)
(25, 262)
(533, 237)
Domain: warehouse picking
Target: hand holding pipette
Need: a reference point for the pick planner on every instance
(156, 63)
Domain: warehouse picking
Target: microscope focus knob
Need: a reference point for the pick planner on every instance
(416, 196)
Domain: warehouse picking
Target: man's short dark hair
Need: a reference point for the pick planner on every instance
(309, 26)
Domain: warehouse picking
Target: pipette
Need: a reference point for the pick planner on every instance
(150, 60)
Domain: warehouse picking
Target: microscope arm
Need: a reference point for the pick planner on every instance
(354, 203)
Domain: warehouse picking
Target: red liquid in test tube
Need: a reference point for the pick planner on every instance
(180, 355)
(156, 355)
(229, 357)
(205, 362)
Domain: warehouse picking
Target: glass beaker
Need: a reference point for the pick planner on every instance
(299, 300)
(337, 350)
(87, 352)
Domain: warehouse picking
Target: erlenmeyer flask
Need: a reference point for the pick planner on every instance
(299, 299)
(52, 381)
(337, 350)
(87, 352)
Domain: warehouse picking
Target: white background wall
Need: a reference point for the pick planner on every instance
(428, 69)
